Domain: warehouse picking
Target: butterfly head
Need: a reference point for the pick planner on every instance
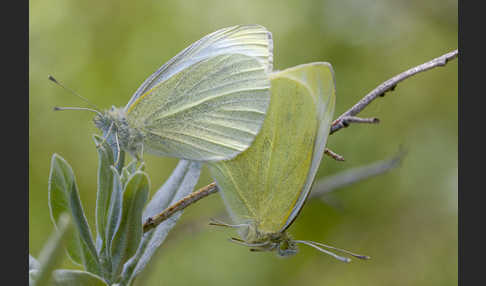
(104, 120)
(279, 242)
(283, 244)
(117, 131)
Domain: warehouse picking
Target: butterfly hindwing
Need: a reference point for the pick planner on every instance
(319, 77)
(267, 184)
(261, 185)
(210, 111)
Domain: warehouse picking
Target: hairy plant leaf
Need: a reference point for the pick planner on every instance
(181, 183)
(64, 197)
(33, 276)
(128, 170)
(52, 253)
(113, 218)
(105, 189)
(33, 263)
(129, 233)
(67, 277)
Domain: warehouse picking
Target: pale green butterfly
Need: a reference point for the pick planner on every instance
(206, 104)
(265, 187)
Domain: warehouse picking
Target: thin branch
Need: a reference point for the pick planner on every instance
(333, 155)
(390, 85)
(349, 177)
(353, 119)
(321, 187)
(152, 222)
(341, 179)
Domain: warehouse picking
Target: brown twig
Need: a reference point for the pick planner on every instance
(320, 188)
(152, 222)
(345, 118)
(333, 155)
(388, 86)
(353, 119)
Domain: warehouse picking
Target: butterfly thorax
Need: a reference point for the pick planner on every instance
(278, 241)
(114, 124)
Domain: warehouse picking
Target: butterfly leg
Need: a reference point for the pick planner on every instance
(106, 136)
(118, 149)
(139, 156)
(220, 223)
(242, 242)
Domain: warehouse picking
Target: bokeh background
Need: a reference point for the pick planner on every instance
(406, 220)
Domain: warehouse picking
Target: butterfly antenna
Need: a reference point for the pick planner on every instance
(51, 78)
(340, 258)
(220, 223)
(359, 256)
(242, 242)
(58, 108)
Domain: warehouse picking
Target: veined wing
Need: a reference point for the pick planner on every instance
(262, 185)
(251, 40)
(212, 110)
(319, 77)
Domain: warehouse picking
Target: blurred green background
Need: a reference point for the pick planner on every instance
(406, 220)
